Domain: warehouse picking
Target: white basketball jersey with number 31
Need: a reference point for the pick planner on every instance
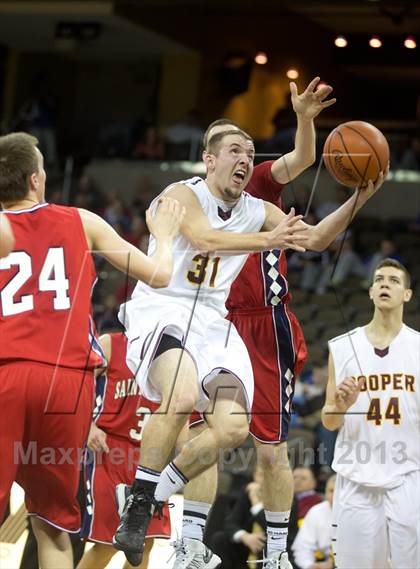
(201, 278)
(379, 440)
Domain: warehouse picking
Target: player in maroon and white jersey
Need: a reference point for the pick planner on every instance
(258, 307)
(119, 417)
(48, 348)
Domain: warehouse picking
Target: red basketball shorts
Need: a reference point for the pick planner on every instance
(44, 421)
(102, 473)
(277, 349)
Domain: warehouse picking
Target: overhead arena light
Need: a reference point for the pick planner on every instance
(375, 42)
(261, 58)
(292, 73)
(410, 42)
(340, 41)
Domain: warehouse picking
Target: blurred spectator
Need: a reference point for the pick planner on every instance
(87, 193)
(415, 225)
(323, 209)
(387, 249)
(138, 234)
(108, 320)
(308, 402)
(312, 547)
(338, 270)
(300, 196)
(116, 215)
(184, 138)
(114, 139)
(37, 116)
(150, 146)
(411, 156)
(306, 497)
(243, 538)
(284, 122)
(145, 192)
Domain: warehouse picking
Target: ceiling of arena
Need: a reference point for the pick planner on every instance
(30, 24)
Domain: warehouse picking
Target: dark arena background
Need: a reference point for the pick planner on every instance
(119, 94)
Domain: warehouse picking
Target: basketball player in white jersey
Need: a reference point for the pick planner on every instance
(181, 348)
(373, 397)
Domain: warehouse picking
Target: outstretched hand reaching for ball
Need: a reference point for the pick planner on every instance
(311, 102)
(372, 187)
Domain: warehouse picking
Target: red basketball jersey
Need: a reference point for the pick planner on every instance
(45, 290)
(262, 280)
(120, 410)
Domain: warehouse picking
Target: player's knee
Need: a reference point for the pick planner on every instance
(184, 405)
(273, 456)
(234, 435)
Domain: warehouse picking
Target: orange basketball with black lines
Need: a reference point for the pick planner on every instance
(355, 152)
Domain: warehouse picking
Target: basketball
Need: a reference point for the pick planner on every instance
(355, 152)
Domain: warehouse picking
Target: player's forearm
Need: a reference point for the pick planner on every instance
(305, 141)
(163, 263)
(227, 241)
(336, 222)
(289, 166)
(155, 271)
(7, 240)
(332, 418)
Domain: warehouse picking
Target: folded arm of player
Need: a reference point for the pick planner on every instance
(155, 270)
(7, 239)
(197, 230)
(307, 106)
(318, 237)
(339, 398)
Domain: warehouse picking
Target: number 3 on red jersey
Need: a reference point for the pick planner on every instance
(51, 278)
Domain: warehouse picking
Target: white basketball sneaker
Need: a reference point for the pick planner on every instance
(193, 554)
(277, 560)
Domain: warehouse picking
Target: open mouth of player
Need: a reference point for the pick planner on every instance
(384, 296)
(239, 177)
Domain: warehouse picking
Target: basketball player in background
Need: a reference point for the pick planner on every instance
(258, 307)
(48, 348)
(373, 398)
(177, 338)
(113, 443)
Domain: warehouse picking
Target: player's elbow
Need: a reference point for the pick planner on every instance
(316, 241)
(203, 244)
(161, 279)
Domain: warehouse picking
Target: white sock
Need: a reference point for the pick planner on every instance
(146, 477)
(170, 482)
(194, 519)
(277, 529)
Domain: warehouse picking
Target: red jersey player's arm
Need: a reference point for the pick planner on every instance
(307, 105)
(318, 237)
(155, 270)
(290, 165)
(197, 230)
(97, 437)
(106, 345)
(7, 239)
